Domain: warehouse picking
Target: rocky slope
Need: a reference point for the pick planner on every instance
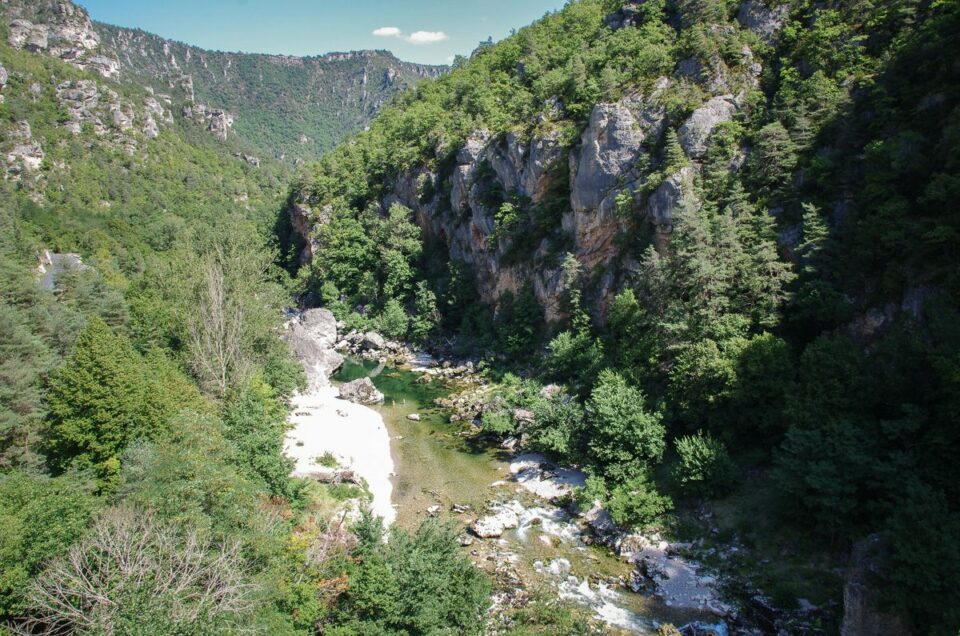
(614, 163)
(279, 106)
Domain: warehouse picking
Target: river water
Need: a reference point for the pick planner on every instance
(438, 463)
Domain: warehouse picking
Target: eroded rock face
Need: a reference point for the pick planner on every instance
(27, 154)
(695, 132)
(63, 30)
(763, 21)
(312, 337)
(861, 616)
(217, 121)
(361, 391)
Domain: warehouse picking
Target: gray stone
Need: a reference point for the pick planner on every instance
(695, 132)
(361, 391)
(861, 613)
(3, 77)
(372, 341)
(312, 337)
(763, 21)
(493, 526)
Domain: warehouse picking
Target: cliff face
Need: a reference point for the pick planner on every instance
(283, 107)
(616, 162)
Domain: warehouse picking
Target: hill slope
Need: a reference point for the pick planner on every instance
(278, 106)
(743, 209)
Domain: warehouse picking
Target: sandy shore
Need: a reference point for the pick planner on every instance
(356, 435)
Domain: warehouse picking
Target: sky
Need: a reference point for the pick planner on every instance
(424, 31)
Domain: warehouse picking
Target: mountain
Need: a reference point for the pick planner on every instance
(281, 107)
(746, 210)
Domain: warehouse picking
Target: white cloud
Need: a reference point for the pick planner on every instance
(417, 37)
(388, 32)
(427, 37)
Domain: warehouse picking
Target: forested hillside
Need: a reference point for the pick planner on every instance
(277, 107)
(144, 386)
(283, 106)
(728, 229)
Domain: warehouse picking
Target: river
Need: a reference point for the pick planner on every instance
(440, 464)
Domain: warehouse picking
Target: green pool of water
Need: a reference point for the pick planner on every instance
(438, 463)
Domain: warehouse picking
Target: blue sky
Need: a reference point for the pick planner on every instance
(426, 31)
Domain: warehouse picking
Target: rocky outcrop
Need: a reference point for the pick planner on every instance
(695, 132)
(217, 121)
(60, 29)
(312, 336)
(861, 613)
(610, 161)
(765, 22)
(361, 391)
(26, 155)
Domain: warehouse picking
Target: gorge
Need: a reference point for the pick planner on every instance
(639, 320)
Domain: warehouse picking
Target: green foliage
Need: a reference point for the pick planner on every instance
(107, 396)
(414, 584)
(255, 421)
(518, 321)
(39, 516)
(624, 437)
(393, 321)
(704, 467)
(636, 502)
(557, 426)
(427, 317)
(498, 423)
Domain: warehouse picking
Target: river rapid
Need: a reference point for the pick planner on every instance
(441, 469)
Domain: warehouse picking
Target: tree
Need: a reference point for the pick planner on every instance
(636, 502)
(39, 517)
(134, 573)
(235, 314)
(428, 317)
(704, 466)
(393, 321)
(623, 437)
(413, 584)
(104, 397)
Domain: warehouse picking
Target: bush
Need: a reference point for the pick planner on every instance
(556, 427)
(624, 438)
(499, 423)
(414, 584)
(393, 321)
(704, 467)
(636, 503)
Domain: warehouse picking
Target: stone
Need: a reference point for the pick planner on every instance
(361, 391)
(493, 526)
(523, 416)
(4, 76)
(668, 198)
(861, 603)
(373, 341)
(311, 338)
(414, 417)
(433, 511)
(695, 132)
(763, 21)
(465, 540)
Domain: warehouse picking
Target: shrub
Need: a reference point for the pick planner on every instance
(704, 467)
(636, 502)
(393, 320)
(624, 438)
(499, 423)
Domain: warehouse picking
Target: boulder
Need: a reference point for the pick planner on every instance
(493, 526)
(695, 132)
(414, 417)
(3, 77)
(373, 341)
(311, 339)
(361, 391)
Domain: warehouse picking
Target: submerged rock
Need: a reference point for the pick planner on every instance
(361, 391)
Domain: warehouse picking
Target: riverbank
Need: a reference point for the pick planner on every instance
(354, 435)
